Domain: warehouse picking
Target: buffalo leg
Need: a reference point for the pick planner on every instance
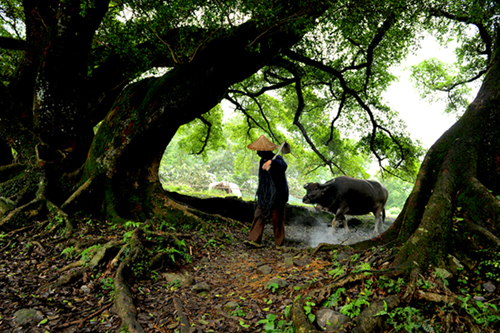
(340, 216)
(335, 220)
(379, 219)
(376, 231)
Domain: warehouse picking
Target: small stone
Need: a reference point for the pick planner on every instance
(454, 264)
(24, 316)
(302, 262)
(201, 287)
(182, 279)
(85, 289)
(289, 262)
(280, 282)
(330, 320)
(342, 256)
(489, 287)
(231, 305)
(264, 270)
(302, 286)
(442, 273)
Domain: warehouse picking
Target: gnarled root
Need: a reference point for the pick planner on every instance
(298, 316)
(60, 214)
(18, 216)
(124, 304)
(80, 267)
(75, 274)
(183, 320)
(367, 321)
(326, 247)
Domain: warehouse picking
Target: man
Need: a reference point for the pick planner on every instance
(272, 193)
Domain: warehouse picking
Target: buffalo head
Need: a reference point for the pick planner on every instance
(314, 192)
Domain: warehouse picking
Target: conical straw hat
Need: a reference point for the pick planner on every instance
(262, 144)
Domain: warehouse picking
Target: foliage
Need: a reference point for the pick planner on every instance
(273, 286)
(480, 311)
(308, 307)
(389, 284)
(433, 75)
(354, 306)
(69, 252)
(87, 254)
(408, 318)
(333, 300)
(271, 326)
(489, 266)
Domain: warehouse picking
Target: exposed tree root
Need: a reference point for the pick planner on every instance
(114, 262)
(75, 274)
(297, 314)
(452, 299)
(474, 209)
(183, 320)
(82, 321)
(411, 286)
(124, 304)
(74, 197)
(19, 215)
(6, 171)
(16, 231)
(434, 297)
(326, 247)
(488, 235)
(60, 214)
(95, 255)
(79, 268)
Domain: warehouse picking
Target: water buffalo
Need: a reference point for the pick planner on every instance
(346, 195)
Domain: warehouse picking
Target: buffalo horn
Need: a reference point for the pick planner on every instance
(328, 183)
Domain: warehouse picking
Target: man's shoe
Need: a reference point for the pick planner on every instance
(253, 244)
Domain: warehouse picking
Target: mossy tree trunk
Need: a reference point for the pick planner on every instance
(454, 197)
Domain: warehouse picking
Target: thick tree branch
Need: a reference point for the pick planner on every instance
(483, 31)
(339, 76)
(241, 108)
(261, 111)
(300, 108)
(379, 36)
(12, 44)
(332, 124)
(209, 128)
(453, 86)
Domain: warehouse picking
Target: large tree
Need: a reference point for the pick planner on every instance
(73, 66)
